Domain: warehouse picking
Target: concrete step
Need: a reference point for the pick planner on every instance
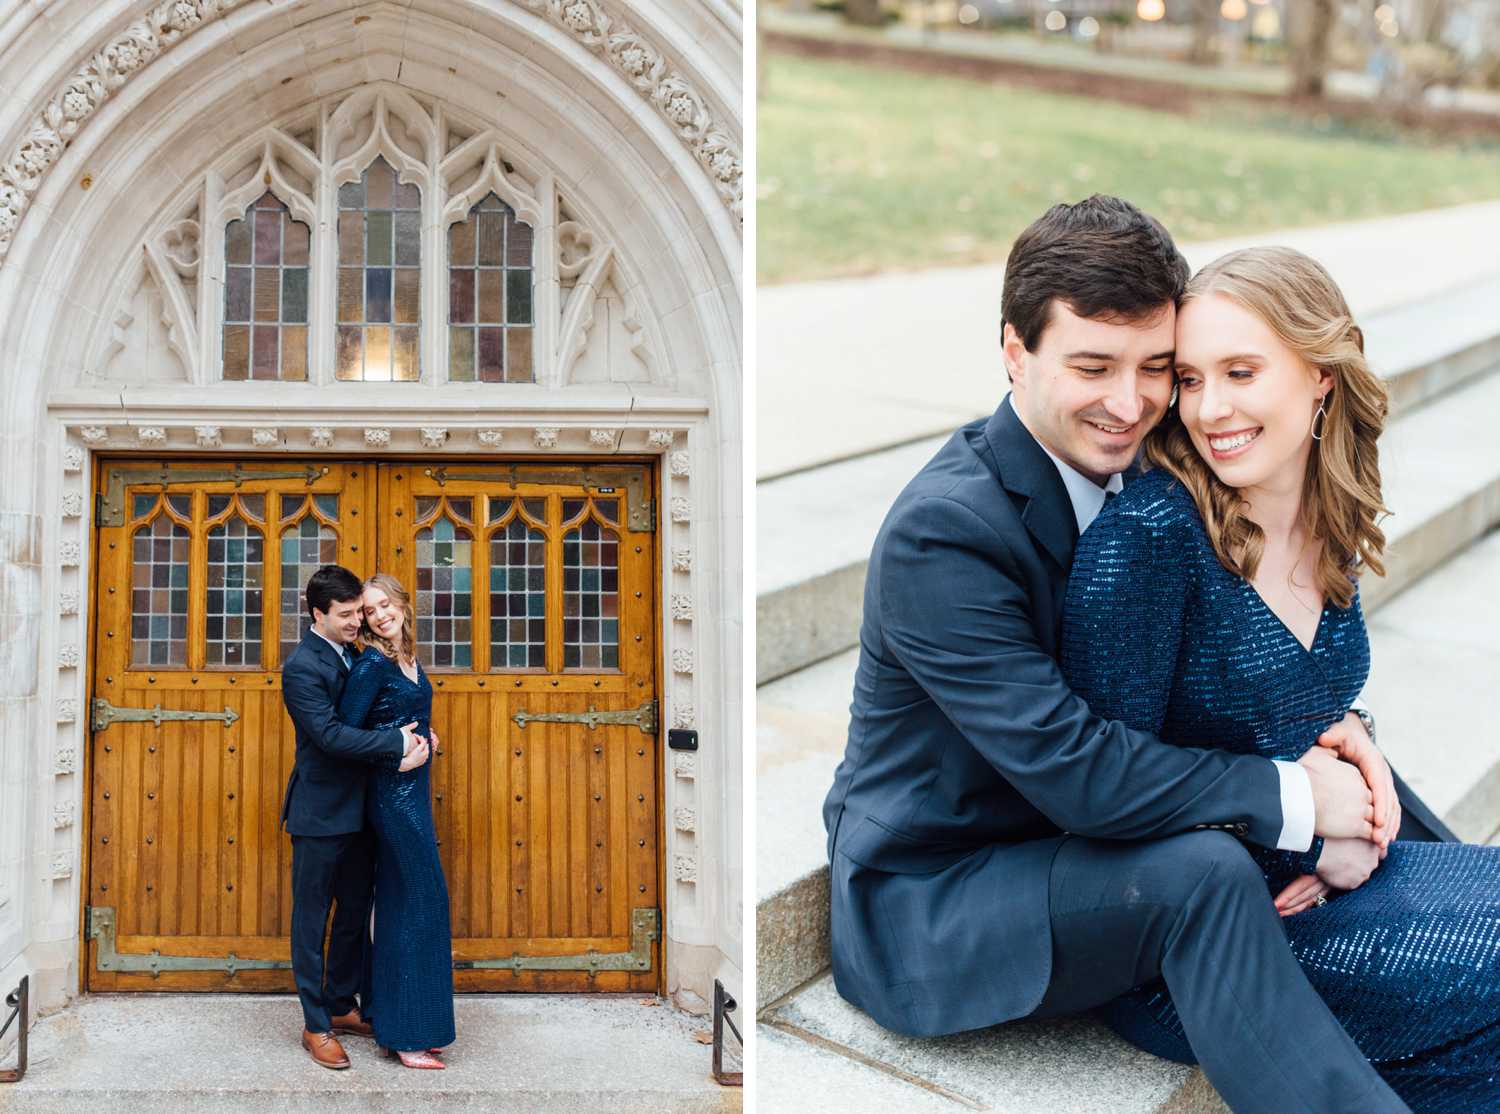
(1435, 664)
(239, 1054)
(815, 528)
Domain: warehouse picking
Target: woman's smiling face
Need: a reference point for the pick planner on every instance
(1246, 399)
(382, 613)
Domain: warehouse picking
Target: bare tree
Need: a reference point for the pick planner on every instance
(865, 13)
(1205, 25)
(1309, 34)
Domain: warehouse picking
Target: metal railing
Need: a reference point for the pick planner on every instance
(724, 1005)
(19, 1000)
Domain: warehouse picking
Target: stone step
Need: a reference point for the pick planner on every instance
(239, 1054)
(1435, 663)
(815, 528)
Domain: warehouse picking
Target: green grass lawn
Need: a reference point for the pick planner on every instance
(865, 169)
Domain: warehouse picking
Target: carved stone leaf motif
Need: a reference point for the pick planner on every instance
(683, 715)
(94, 434)
(682, 660)
(660, 438)
(265, 437)
(602, 438)
(377, 438)
(685, 766)
(491, 438)
(208, 436)
(62, 816)
(682, 509)
(681, 464)
(62, 865)
(151, 435)
(682, 607)
(67, 710)
(433, 437)
(66, 760)
(685, 868)
(72, 504)
(67, 657)
(682, 560)
(684, 819)
(69, 554)
(545, 436)
(320, 437)
(67, 603)
(72, 459)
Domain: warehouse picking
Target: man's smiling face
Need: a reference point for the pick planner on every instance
(1093, 388)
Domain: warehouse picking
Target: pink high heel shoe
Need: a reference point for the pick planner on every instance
(424, 1060)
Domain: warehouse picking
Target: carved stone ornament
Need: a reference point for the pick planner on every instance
(265, 437)
(682, 660)
(681, 464)
(68, 657)
(682, 510)
(377, 438)
(67, 603)
(320, 437)
(545, 436)
(72, 504)
(433, 437)
(151, 435)
(491, 438)
(62, 865)
(602, 438)
(684, 715)
(208, 436)
(685, 766)
(67, 710)
(72, 459)
(65, 761)
(682, 607)
(660, 438)
(685, 868)
(682, 559)
(94, 434)
(62, 815)
(69, 554)
(684, 819)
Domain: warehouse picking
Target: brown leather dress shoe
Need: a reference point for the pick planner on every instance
(325, 1049)
(351, 1022)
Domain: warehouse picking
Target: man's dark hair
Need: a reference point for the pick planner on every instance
(332, 584)
(1102, 257)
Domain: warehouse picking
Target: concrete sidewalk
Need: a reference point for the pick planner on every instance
(902, 356)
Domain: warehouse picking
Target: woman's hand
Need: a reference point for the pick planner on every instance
(1345, 864)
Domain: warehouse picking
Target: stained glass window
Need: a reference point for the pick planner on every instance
(306, 545)
(265, 294)
(159, 593)
(445, 570)
(236, 556)
(380, 254)
(518, 600)
(489, 296)
(591, 598)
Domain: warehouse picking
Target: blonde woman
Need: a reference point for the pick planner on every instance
(411, 965)
(1217, 598)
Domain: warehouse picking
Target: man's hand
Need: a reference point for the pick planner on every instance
(1343, 806)
(1345, 864)
(414, 748)
(1352, 743)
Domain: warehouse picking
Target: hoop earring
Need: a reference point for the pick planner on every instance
(1316, 435)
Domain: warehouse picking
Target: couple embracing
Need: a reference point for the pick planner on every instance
(1105, 749)
(359, 810)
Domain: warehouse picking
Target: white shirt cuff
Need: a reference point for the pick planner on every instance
(1297, 811)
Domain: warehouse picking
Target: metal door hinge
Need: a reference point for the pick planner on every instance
(645, 927)
(106, 713)
(640, 511)
(110, 511)
(101, 927)
(643, 717)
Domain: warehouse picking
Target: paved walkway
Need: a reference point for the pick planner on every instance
(849, 366)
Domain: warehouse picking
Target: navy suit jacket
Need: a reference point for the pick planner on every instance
(325, 794)
(968, 756)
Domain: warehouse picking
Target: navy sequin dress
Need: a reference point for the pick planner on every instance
(412, 965)
(1159, 635)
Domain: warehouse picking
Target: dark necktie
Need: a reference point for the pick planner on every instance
(344, 653)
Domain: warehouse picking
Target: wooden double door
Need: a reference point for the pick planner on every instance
(534, 587)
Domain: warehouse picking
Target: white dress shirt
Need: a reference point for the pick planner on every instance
(1297, 809)
(338, 649)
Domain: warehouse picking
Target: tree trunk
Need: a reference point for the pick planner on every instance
(1310, 32)
(1205, 24)
(865, 13)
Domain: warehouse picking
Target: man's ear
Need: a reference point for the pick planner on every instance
(1014, 352)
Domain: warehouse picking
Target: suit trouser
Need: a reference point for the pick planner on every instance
(1193, 909)
(331, 871)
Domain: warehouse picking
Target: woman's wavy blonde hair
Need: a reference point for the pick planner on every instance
(1341, 502)
(406, 651)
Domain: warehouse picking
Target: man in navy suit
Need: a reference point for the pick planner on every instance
(324, 811)
(996, 850)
